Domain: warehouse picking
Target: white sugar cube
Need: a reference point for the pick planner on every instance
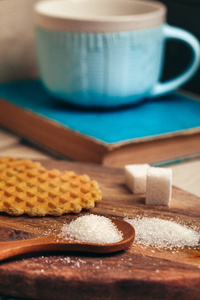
(135, 177)
(158, 186)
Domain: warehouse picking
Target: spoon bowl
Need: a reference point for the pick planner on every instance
(54, 242)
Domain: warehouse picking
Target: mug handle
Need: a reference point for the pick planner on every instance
(171, 32)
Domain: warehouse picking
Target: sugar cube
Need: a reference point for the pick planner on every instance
(158, 186)
(135, 177)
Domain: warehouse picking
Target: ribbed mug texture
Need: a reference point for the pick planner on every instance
(100, 69)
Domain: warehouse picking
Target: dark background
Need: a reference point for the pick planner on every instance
(184, 14)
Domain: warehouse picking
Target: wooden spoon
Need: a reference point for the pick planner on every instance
(52, 242)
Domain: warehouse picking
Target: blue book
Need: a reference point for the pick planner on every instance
(153, 131)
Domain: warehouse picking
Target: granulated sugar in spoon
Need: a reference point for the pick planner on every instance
(89, 233)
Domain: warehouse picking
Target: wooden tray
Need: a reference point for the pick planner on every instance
(137, 273)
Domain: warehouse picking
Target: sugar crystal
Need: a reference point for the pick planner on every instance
(163, 233)
(92, 229)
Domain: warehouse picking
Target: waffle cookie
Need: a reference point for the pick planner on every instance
(28, 188)
(18, 165)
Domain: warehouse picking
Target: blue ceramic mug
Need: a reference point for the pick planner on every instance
(105, 53)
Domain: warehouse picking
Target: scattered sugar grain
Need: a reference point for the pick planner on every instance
(161, 233)
(92, 229)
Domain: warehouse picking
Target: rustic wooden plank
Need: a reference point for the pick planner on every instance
(138, 273)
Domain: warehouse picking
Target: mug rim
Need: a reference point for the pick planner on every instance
(53, 20)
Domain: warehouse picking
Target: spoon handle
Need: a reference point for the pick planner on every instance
(39, 244)
(53, 242)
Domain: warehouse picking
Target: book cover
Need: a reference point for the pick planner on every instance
(154, 130)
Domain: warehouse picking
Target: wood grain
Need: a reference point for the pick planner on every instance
(137, 273)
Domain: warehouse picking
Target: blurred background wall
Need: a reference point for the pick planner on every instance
(17, 50)
(17, 47)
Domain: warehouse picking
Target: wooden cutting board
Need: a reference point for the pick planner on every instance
(137, 273)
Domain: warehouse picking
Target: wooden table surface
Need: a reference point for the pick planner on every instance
(186, 174)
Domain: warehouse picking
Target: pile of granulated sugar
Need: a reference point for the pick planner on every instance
(92, 229)
(161, 233)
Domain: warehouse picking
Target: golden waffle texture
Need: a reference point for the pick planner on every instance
(26, 187)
